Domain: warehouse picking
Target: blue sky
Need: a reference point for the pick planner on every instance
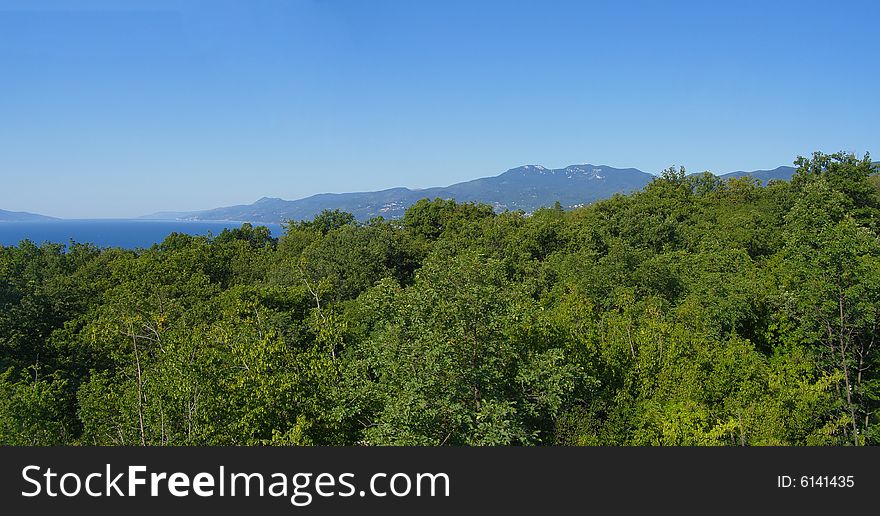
(111, 108)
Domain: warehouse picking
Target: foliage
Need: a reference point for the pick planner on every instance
(698, 311)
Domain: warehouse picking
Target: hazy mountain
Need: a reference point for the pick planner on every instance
(525, 188)
(22, 216)
(168, 215)
(765, 175)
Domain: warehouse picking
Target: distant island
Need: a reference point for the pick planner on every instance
(22, 216)
(525, 188)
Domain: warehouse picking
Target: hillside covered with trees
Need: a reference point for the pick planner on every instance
(698, 311)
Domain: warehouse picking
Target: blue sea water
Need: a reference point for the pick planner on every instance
(126, 233)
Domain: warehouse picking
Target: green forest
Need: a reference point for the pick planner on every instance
(697, 311)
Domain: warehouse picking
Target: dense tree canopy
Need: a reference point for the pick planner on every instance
(695, 312)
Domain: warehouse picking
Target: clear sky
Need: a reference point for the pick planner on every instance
(114, 108)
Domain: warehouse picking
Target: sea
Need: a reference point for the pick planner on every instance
(125, 233)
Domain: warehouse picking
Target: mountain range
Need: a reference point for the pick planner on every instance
(780, 173)
(525, 188)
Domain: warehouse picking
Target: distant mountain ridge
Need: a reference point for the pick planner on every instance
(22, 216)
(783, 173)
(526, 188)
